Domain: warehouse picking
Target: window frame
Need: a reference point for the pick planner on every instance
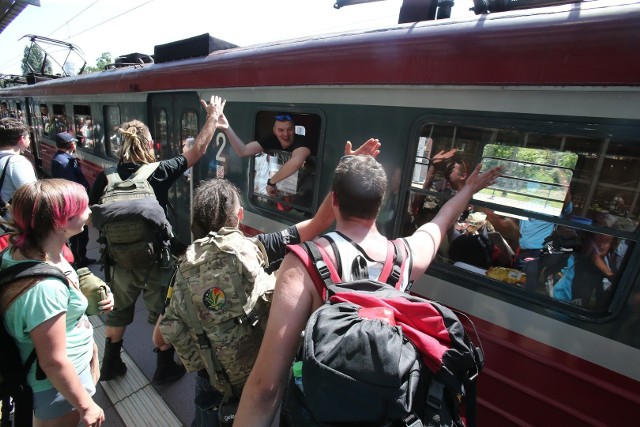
(624, 131)
(263, 118)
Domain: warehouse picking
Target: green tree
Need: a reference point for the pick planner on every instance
(32, 60)
(101, 62)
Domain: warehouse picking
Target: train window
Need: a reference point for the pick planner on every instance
(84, 127)
(189, 128)
(45, 120)
(112, 124)
(59, 122)
(559, 222)
(533, 178)
(13, 110)
(160, 132)
(294, 193)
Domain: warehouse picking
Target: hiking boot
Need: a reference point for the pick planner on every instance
(167, 370)
(112, 364)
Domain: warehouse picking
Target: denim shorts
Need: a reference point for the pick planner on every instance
(49, 404)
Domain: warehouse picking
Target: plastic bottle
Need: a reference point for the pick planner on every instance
(297, 374)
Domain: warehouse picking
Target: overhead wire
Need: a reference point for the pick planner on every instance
(11, 61)
(110, 19)
(78, 14)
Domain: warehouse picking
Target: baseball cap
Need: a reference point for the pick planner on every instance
(65, 138)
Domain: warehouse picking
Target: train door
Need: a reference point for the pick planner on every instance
(174, 121)
(29, 117)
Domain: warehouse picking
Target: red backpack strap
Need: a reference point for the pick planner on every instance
(388, 264)
(392, 270)
(317, 263)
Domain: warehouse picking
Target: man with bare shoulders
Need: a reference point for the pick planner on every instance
(358, 188)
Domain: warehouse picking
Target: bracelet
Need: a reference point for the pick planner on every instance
(269, 183)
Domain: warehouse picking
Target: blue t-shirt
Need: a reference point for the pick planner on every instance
(41, 302)
(534, 231)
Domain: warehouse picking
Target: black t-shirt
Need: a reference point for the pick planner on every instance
(271, 143)
(275, 245)
(161, 180)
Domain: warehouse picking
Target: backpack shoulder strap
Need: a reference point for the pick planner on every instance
(113, 177)
(317, 263)
(145, 171)
(30, 269)
(391, 270)
(26, 270)
(142, 174)
(4, 171)
(346, 249)
(20, 272)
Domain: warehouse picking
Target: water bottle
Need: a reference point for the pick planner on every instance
(297, 374)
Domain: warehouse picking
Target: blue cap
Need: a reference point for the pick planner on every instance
(65, 138)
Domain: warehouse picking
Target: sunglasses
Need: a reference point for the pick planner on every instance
(346, 158)
(284, 118)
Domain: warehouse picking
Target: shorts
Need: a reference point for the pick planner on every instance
(126, 286)
(49, 404)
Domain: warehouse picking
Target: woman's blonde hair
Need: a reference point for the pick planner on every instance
(37, 208)
(136, 143)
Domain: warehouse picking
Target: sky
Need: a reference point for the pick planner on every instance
(126, 26)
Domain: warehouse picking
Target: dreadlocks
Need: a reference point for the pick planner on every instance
(136, 144)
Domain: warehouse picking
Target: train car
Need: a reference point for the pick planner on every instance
(552, 94)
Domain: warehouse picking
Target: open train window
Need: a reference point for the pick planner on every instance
(289, 157)
(86, 131)
(45, 120)
(559, 223)
(58, 122)
(534, 179)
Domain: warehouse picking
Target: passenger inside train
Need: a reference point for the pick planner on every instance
(287, 149)
(545, 191)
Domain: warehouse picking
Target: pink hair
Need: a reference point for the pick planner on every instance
(40, 207)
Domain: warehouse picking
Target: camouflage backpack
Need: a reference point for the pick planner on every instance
(132, 240)
(219, 304)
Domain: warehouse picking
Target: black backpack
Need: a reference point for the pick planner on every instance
(4, 204)
(373, 355)
(15, 393)
(559, 248)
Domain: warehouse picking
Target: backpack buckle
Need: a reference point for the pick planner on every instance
(203, 341)
(412, 420)
(250, 317)
(474, 375)
(323, 269)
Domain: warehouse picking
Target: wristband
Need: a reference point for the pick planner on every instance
(269, 183)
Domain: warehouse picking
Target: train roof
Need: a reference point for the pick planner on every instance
(561, 45)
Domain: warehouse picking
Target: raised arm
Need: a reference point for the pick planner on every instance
(425, 241)
(294, 299)
(214, 110)
(240, 148)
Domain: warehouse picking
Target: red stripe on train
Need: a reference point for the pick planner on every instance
(525, 382)
(482, 52)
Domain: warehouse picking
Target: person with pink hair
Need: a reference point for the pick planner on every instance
(47, 315)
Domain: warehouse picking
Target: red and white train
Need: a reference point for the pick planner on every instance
(555, 88)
